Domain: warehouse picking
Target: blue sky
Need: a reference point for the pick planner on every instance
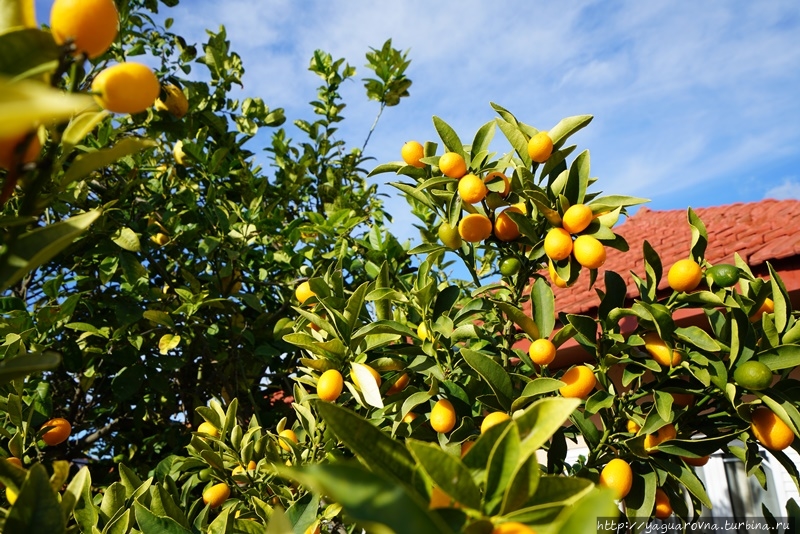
(695, 103)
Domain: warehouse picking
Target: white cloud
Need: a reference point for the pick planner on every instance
(685, 95)
(788, 189)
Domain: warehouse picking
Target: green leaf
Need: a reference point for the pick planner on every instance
(376, 504)
(80, 126)
(449, 137)
(641, 499)
(698, 337)
(783, 304)
(685, 476)
(611, 202)
(493, 373)
(129, 479)
(578, 179)
(780, 357)
(159, 317)
(113, 499)
(585, 326)
(541, 419)
(32, 249)
(517, 140)
(543, 304)
(375, 449)
(581, 517)
(162, 504)
(368, 385)
(92, 161)
(483, 138)
(522, 486)
(75, 489)
(566, 127)
(36, 509)
(26, 49)
(447, 472)
(126, 239)
(520, 318)
(503, 461)
(149, 523)
(25, 103)
(27, 364)
(699, 235)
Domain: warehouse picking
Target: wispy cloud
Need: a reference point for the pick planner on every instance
(691, 99)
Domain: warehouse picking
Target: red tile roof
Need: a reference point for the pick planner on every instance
(758, 231)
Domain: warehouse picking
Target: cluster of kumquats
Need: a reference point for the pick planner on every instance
(87, 29)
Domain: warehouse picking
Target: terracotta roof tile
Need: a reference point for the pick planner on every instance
(758, 231)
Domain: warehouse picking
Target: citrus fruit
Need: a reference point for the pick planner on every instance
(659, 350)
(493, 419)
(558, 244)
(665, 433)
(723, 275)
(10, 145)
(768, 306)
(770, 430)
(412, 152)
(506, 229)
(240, 469)
(174, 102)
(11, 495)
(126, 88)
(205, 474)
(409, 417)
(662, 508)
(498, 177)
(617, 475)
(542, 351)
(216, 495)
(466, 446)
(59, 433)
(579, 380)
(510, 266)
(449, 236)
(753, 375)
(160, 239)
(475, 227)
(577, 218)
(287, 435)
(373, 372)
(207, 428)
(329, 385)
(540, 147)
(92, 25)
(452, 165)
(557, 280)
(696, 462)
(471, 189)
(303, 292)
(512, 527)
(422, 331)
(632, 426)
(399, 384)
(684, 275)
(443, 416)
(589, 252)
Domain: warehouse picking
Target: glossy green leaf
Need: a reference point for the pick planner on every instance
(149, 523)
(520, 318)
(493, 373)
(449, 137)
(502, 465)
(517, 140)
(92, 161)
(377, 504)
(36, 509)
(522, 486)
(27, 50)
(447, 472)
(685, 476)
(377, 450)
(80, 126)
(27, 364)
(581, 518)
(699, 235)
(578, 179)
(541, 420)
(566, 127)
(33, 248)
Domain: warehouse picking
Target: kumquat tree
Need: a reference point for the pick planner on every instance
(193, 343)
